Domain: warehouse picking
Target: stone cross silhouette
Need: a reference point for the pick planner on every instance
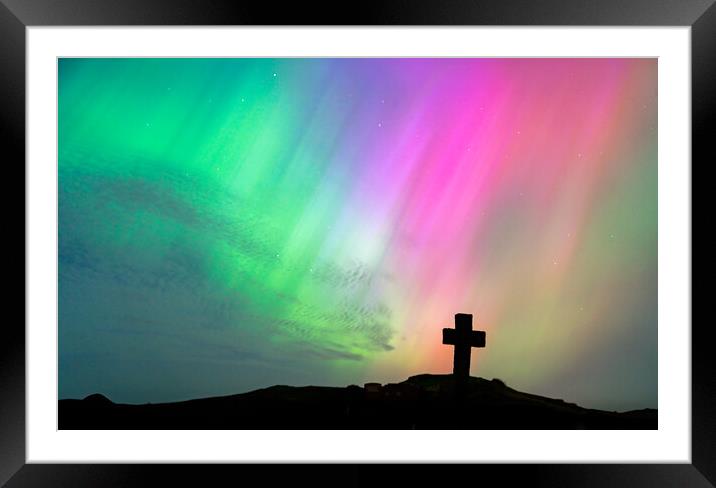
(464, 339)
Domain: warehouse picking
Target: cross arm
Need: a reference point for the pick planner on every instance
(475, 338)
(449, 336)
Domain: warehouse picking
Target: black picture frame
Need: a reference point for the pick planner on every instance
(16, 15)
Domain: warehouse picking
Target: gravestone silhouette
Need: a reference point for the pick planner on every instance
(464, 339)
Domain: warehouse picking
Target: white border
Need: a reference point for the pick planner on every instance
(670, 443)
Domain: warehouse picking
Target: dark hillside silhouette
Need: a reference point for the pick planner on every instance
(421, 402)
(456, 401)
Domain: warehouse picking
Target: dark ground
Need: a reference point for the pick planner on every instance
(421, 402)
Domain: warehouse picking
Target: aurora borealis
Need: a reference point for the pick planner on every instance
(230, 224)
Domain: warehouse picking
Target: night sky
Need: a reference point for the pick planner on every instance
(231, 224)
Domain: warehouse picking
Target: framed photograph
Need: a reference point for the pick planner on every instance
(436, 234)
